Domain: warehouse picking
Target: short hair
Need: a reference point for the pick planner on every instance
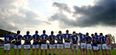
(18, 32)
(27, 32)
(67, 31)
(36, 31)
(60, 32)
(44, 31)
(52, 32)
(74, 32)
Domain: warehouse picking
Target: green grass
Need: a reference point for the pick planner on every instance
(57, 53)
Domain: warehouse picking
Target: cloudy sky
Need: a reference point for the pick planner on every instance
(75, 15)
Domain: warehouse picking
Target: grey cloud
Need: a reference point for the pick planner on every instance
(15, 18)
(103, 13)
(62, 6)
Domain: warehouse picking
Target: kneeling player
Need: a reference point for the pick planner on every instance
(7, 42)
(27, 43)
(88, 41)
(82, 44)
(59, 39)
(35, 45)
(44, 45)
(17, 46)
(74, 38)
(51, 39)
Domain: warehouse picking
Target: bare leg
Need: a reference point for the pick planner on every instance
(45, 51)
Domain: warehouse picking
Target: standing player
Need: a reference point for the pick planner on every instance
(88, 42)
(51, 39)
(36, 43)
(94, 44)
(27, 43)
(74, 41)
(59, 38)
(17, 46)
(98, 37)
(109, 43)
(82, 44)
(7, 42)
(67, 43)
(104, 46)
(44, 46)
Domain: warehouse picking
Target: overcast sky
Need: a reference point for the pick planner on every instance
(75, 15)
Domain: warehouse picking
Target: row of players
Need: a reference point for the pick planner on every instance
(86, 42)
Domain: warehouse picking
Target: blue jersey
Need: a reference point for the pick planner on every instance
(67, 37)
(103, 39)
(18, 39)
(7, 39)
(52, 39)
(88, 39)
(36, 39)
(44, 38)
(59, 38)
(82, 38)
(98, 39)
(94, 41)
(74, 39)
(27, 39)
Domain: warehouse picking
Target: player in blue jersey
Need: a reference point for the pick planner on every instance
(17, 44)
(104, 45)
(88, 42)
(44, 45)
(36, 43)
(52, 45)
(67, 42)
(59, 38)
(27, 44)
(7, 43)
(74, 42)
(94, 44)
(82, 44)
(98, 41)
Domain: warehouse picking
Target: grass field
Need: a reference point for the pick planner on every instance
(57, 53)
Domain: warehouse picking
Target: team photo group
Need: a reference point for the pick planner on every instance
(61, 44)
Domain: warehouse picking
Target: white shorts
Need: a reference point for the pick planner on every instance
(60, 46)
(99, 46)
(108, 47)
(7, 46)
(83, 45)
(104, 46)
(66, 45)
(17, 46)
(52, 46)
(89, 46)
(75, 46)
(27, 46)
(95, 48)
(44, 46)
(35, 46)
